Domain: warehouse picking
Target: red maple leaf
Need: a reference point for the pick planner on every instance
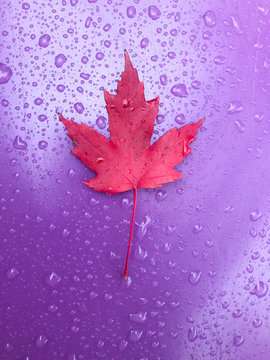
(128, 160)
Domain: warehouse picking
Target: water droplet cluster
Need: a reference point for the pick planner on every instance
(198, 286)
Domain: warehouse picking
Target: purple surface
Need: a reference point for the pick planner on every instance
(199, 268)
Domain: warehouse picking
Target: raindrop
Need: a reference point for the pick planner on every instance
(138, 318)
(78, 106)
(107, 27)
(260, 290)
(238, 340)
(207, 35)
(234, 107)
(101, 122)
(171, 55)
(99, 55)
(179, 90)
(209, 18)
(72, 356)
(196, 84)
(166, 248)
(44, 40)
(259, 117)
(99, 160)
(237, 313)
(154, 12)
(174, 304)
(219, 60)
(134, 335)
(240, 126)
(255, 215)
(192, 334)
(122, 345)
(65, 233)
(163, 79)
(60, 60)
(107, 43)
(160, 119)
(100, 344)
(131, 12)
(60, 88)
(88, 22)
(237, 25)
(5, 73)
(197, 228)
(140, 254)
(53, 280)
(25, 6)
(144, 43)
(180, 119)
(256, 323)
(194, 277)
(161, 195)
(230, 70)
(38, 101)
(249, 268)
(12, 273)
(41, 341)
(4, 102)
(42, 118)
(19, 144)
(42, 144)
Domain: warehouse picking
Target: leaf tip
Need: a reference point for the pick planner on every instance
(127, 60)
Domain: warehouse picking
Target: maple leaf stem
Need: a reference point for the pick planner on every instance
(131, 231)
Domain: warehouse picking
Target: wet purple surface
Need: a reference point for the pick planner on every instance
(199, 268)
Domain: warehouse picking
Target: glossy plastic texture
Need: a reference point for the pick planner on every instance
(199, 268)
